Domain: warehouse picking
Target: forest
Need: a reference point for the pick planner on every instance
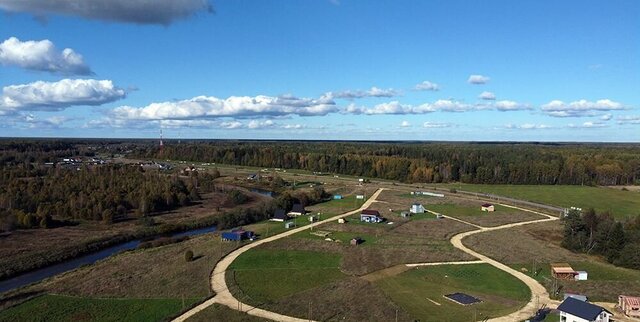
(46, 197)
(427, 162)
(600, 234)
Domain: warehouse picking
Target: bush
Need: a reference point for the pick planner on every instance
(453, 190)
(188, 256)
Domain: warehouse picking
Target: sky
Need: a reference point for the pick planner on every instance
(321, 69)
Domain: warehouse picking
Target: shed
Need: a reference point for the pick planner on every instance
(563, 271)
(280, 215)
(629, 305)
(417, 208)
(337, 197)
(341, 220)
(289, 224)
(237, 235)
(405, 214)
(297, 210)
(581, 275)
(360, 197)
(488, 207)
(572, 309)
(356, 241)
(575, 296)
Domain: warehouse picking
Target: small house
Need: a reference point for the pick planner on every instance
(488, 207)
(289, 224)
(370, 216)
(581, 276)
(356, 241)
(417, 208)
(314, 218)
(280, 215)
(297, 210)
(574, 310)
(405, 214)
(563, 271)
(629, 305)
(341, 220)
(337, 197)
(237, 235)
(360, 197)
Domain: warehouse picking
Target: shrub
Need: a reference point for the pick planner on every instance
(188, 256)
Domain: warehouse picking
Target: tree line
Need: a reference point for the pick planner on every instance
(101, 193)
(600, 234)
(485, 163)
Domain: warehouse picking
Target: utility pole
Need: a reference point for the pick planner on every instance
(310, 311)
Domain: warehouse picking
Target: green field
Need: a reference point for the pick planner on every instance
(343, 237)
(618, 202)
(415, 290)
(455, 210)
(264, 275)
(67, 308)
(337, 206)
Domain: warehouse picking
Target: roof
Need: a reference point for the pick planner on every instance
(298, 208)
(631, 300)
(370, 212)
(417, 204)
(487, 205)
(581, 309)
(280, 214)
(563, 270)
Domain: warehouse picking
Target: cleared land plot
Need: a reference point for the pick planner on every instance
(620, 203)
(337, 206)
(421, 291)
(65, 308)
(519, 246)
(470, 211)
(261, 276)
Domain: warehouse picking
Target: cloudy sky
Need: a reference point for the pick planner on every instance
(322, 69)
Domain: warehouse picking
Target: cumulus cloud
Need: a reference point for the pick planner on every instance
(478, 79)
(405, 124)
(588, 125)
(427, 86)
(162, 12)
(436, 125)
(231, 125)
(255, 124)
(234, 106)
(527, 126)
(372, 92)
(487, 96)
(42, 56)
(606, 117)
(579, 108)
(443, 105)
(56, 96)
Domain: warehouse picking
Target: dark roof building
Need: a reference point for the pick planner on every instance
(572, 309)
(371, 212)
(280, 215)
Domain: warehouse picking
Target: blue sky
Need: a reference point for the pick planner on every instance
(546, 70)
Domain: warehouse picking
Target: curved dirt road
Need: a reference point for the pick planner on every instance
(539, 295)
(219, 284)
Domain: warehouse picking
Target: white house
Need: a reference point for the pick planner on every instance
(417, 208)
(488, 207)
(574, 310)
(581, 276)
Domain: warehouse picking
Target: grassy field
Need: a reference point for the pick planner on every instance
(459, 210)
(336, 206)
(619, 203)
(265, 275)
(219, 312)
(66, 308)
(420, 292)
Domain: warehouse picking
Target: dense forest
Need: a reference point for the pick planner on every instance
(44, 197)
(487, 163)
(594, 233)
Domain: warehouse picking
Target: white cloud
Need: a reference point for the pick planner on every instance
(231, 125)
(254, 124)
(443, 105)
(427, 86)
(42, 56)
(436, 125)
(234, 106)
(478, 79)
(629, 119)
(292, 126)
(161, 12)
(56, 96)
(505, 105)
(488, 96)
(606, 117)
(587, 125)
(579, 108)
(372, 92)
(405, 124)
(527, 126)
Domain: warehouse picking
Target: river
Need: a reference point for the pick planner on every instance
(55, 269)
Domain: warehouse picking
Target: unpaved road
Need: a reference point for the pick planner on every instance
(539, 295)
(219, 284)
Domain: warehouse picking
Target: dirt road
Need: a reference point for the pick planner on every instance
(219, 284)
